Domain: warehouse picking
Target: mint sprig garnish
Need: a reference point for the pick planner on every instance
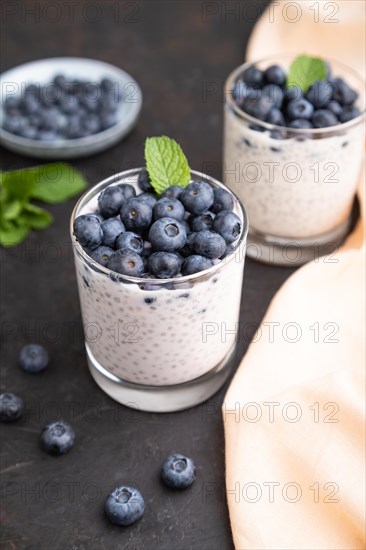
(305, 70)
(50, 183)
(166, 163)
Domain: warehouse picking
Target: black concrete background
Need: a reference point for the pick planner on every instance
(172, 48)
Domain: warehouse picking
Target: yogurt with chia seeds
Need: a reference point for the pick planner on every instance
(153, 331)
(295, 187)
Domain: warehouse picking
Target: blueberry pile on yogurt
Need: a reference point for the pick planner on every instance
(265, 95)
(62, 109)
(181, 232)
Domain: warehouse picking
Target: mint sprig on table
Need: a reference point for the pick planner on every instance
(166, 163)
(49, 183)
(305, 70)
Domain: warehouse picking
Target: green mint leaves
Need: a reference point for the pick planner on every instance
(166, 163)
(305, 70)
(50, 183)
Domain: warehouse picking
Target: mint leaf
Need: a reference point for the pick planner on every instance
(34, 217)
(305, 70)
(10, 210)
(57, 182)
(166, 163)
(12, 234)
(18, 185)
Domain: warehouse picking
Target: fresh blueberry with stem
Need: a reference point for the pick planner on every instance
(320, 93)
(101, 255)
(110, 201)
(164, 265)
(11, 407)
(136, 214)
(195, 263)
(275, 75)
(209, 244)
(227, 224)
(33, 358)
(197, 197)
(178, 471)
(88, 231)
(203, 221)
(126, 262)
(301, 108)
(167, 235)
(57, 438)
(323, 118)
(168, 208)
(131, 241)
(112, 229)
(124, 505)
(223, 200)
(173, 192)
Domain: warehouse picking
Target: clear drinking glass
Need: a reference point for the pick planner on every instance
(159, 344)
(298, 186)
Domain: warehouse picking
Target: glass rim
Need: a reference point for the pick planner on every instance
(92, 191)
(295, 131)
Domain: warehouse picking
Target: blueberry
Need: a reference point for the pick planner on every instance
(276, 117)
(52, 119)
(46, 135)
(209, 244)
(124, 506)
(144, 181)
(29, 132)
(50, 94)
(195, 263)
(228, 225)
(107, 120)
(275, 75)
(197, 197)
(57, 438)
(128, 190)
(253, 76)
(130, 241)
(320, 93)
(91, 124)
(335, 107)
(258, 108)
(11, 105)
(110, 201)
(107, 84)
(69, 103)
(60, 81)
(136, 214)
(173, 192)
(349, 113)
(148, 197)
(293, 93)
(343, 93)
(223, 200)
(33, 358)
(101, 255)
(300, 123)
(30, 104)
(203, 221)
(168, 208)
(14, 124)
(299, 109)
(323, 118)
(112, 228)
(126, 262)
(274, 93)
(167, 234)
(88, 231)
(11, 407)
(164, 265)
(178, 471)
(187, 248)
(73, 129)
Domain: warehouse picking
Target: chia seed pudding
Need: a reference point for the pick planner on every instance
(296, 183)
(159, 332)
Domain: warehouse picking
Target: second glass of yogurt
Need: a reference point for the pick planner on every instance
(159, 344)
(298, 184)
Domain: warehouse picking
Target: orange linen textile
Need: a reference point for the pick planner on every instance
(294, 414)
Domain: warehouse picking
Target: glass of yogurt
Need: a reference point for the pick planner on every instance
(298, 184)
(159, 344)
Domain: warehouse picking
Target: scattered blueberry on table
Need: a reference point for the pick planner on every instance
(124, 505)
(11, 407)
(272, 96)
(33, 358)
(62, 109)
(57, 438)
(178, 471)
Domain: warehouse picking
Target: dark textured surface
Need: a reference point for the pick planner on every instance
(57, 503)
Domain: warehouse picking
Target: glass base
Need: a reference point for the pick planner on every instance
(292, 252)
(161, 398)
